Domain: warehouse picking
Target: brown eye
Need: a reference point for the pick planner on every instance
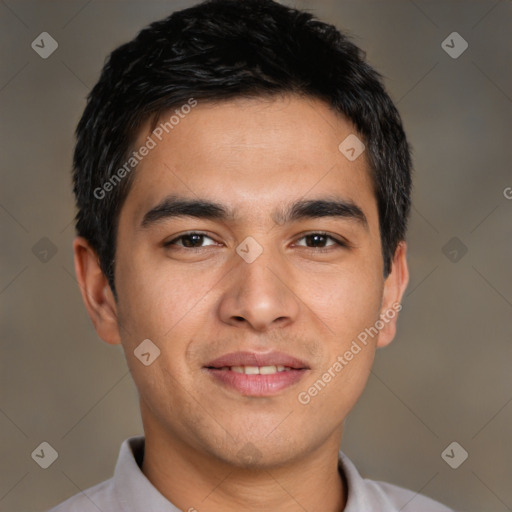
(189, 241)
(318, 241)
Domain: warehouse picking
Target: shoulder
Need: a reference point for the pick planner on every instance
(366, 494)
(98, 497)
(403, 500)
(113, 494)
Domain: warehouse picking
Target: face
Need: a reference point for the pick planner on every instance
(257, 302)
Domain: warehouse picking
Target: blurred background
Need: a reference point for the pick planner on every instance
(446, 378)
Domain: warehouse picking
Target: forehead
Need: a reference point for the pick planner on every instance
(253, 154)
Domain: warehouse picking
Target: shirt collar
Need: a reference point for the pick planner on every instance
(132, 488)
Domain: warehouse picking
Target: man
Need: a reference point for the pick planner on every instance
(243, 187)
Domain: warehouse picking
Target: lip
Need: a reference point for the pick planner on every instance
(258, 359)
(257, 385)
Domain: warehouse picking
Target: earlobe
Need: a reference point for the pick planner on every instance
(394, 288)
(96, 293)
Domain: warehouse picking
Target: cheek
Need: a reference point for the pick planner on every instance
(347, 300)
(157, 299)
(337, 383)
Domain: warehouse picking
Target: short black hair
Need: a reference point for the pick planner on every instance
(219, 50)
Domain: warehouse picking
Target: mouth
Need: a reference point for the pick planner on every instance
(256, 370)
(254, 374)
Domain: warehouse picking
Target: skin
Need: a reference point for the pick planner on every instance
(253, 155)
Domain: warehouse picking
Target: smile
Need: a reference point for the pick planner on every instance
(257, 370)
(256, 381)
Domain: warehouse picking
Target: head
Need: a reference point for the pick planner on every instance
(228, 120)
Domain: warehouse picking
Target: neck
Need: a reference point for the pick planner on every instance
(196, 481)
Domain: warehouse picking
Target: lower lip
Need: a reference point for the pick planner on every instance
(257, 385)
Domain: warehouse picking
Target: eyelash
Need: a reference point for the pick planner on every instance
(314, 249)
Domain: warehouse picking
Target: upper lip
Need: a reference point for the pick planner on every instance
(257, 359)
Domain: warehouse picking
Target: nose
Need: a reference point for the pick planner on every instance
(259, 294)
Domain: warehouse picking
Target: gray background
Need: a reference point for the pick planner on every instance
(445, 378)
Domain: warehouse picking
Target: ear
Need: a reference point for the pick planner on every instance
(394, 287)
(96, 293)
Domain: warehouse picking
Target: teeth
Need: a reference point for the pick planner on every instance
(267, 370)
(257, 370)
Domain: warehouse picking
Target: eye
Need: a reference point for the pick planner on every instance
(192, 240)
(318, 241)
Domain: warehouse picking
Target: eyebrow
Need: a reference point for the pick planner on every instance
(178, 206)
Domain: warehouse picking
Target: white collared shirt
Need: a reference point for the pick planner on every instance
(130, 491)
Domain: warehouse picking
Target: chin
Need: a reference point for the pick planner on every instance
(258, 454)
